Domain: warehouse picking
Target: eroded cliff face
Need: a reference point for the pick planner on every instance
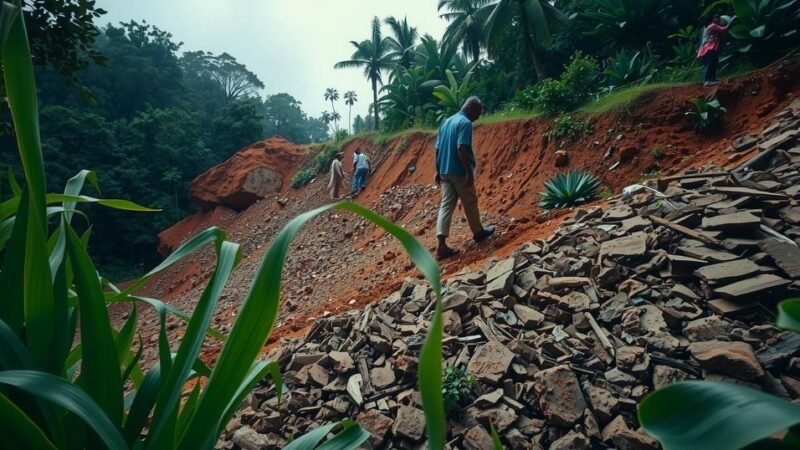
(251, 174)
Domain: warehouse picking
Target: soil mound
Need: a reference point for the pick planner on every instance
(251, 174)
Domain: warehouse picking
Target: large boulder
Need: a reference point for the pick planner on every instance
(251, 174)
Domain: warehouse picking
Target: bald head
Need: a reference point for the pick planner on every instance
(473, 107)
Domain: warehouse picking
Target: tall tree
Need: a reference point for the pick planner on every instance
(326, 118)
(533, 16)
(350, 98)
(284, 117)
(332, 95)
(232, 79)
(403, 41)
(467, 19)
(374, 56)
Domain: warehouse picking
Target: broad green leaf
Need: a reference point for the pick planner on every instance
(12, 308)
(351, 437)
(100, 371)
(495, 438)
(23, 104)
(257, 373)
(700, 415)
(62, 393)
(789, 315)
(21, 428)
(167, 403)
(143, 402)
(258, 314)
(758, 31)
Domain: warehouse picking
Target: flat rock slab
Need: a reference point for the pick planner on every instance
(410, 423)
(734, 359)
(377, 424)
(708, 254)
(636, 223)
(775, 355)
(490, 361)
(754, 286)
(728, 308)
(727, 272)
(560, 397)
(634, 245)
(786, 256)
(779, 141)
(529, 317)
(742, 220)
(740, 191)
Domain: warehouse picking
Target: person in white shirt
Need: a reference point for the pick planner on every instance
(361, 168)
(337, 176)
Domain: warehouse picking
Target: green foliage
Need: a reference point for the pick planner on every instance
(456, 390)
(303, 177)
(239, 124)
(605, 193)
(570, 189)
(283, 116)
(408, 99)
(567, 126)
(657, 152)
(765, 29)
(708, 414)
(575, 86)
(50, 284)
(451, 96)
(627, 67)
(322, 160)
(706, 114)
(631, 23)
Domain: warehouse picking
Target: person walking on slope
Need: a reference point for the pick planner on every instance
(361, 168)
(337, 176)
(455, 173)
(710, 48)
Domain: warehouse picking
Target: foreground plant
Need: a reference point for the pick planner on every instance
(706, 114)
(725, 416)
(570, 189)
(456, 389)
(62, 390)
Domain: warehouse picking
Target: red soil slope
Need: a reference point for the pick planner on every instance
(340, 262)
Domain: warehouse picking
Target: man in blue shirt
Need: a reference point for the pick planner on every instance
(361, 168)
(455, 173)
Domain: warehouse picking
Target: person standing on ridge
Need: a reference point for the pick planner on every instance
(337, 176)
(711, 46)
(361, 168)
(455, 173)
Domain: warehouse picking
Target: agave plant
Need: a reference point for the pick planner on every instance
(627, 67)
(706, 114)
(570, 189)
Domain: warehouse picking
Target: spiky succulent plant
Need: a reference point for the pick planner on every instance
(570, 189)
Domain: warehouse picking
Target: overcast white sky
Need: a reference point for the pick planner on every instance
(291, 45)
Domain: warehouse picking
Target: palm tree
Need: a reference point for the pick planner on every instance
(403, 41)
(335, 117)
(467, 19)
(332, 95)
(533, 17)
(350, 98)
(374, 56)
(326, 118)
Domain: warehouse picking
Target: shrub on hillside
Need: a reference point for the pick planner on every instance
(552, 96)
(570, 189)
(627, 67)
(322, 160)
(568, 126)
(706, 114)
(303, 177)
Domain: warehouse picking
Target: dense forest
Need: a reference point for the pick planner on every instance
(523, 56)
(148, 117)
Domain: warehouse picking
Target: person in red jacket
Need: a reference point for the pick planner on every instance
(711, 46)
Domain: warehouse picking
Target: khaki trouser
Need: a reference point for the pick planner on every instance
(454, 188)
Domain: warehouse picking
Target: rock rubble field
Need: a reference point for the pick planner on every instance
(673, 281)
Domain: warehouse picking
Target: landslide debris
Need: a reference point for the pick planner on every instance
(566, 335)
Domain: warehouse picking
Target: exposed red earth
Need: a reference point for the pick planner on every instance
(339, 262)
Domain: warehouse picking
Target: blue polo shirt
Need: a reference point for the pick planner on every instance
(454, 132)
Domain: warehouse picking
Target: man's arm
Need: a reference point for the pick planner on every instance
(438, 178)
(463, 157)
